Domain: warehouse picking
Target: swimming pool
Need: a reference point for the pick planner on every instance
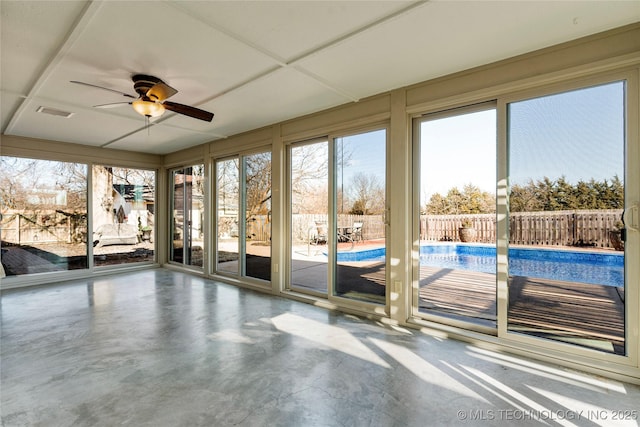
(567, 265)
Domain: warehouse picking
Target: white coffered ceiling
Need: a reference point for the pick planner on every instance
(252, 63)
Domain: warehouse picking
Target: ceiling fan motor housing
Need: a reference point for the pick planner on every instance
(142, 83)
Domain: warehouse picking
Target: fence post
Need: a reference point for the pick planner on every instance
(18, 234)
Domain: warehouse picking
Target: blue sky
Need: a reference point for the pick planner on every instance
(367, 155)
(577, 134)
(458, 150)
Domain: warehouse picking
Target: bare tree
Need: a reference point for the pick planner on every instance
(45, 194)
(367, 193)
(227, 177)
(309, 178)
(17, 176)
(258, 184)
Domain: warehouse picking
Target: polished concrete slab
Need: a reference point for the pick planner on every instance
(164, 348)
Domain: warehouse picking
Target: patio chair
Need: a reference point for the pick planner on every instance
(356, 231)
(318, 236)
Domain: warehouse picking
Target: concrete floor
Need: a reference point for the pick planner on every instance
(163, 348)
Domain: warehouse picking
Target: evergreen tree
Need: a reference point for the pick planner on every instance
(549, 195)
(471, 200)
(543, 195)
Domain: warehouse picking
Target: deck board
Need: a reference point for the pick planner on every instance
(555, 309)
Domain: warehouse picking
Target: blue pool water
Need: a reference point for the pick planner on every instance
(573, 266)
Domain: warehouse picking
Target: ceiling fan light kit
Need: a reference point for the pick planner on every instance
(148, 108)
(150, 101)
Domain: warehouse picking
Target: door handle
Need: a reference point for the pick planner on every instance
(630, 217)
(385, 216)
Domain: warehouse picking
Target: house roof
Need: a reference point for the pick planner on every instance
(252, 63)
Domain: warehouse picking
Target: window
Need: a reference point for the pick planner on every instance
(123, 215)
(44, 216)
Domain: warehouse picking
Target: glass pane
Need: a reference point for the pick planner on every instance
(309, 187)
(360, 226)
(188, 211)
(194, 190)
(43, 216)
(258, 215)
(228, 205)
(458, 217)
(566, 172)
(176, 253)
(123, 215)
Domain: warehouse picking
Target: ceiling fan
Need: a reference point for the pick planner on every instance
(150, 102)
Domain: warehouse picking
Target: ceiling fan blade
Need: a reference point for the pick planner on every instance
(186, 110)
(112, 105)
(161, 91)
(104, 88)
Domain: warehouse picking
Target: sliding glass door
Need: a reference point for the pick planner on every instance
(567, 250)
(243, 215)
(257, 215)
(309, 217)
(337, 205)
(359, 238)
(227, 214)
(456, 156)
(531, 231)
(187, 215)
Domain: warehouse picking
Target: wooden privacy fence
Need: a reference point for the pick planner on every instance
(259, 228)
(45, 228)
(557, 228)
(444, 228)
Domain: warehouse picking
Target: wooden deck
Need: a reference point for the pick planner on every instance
(585, 314)
(591, 315)
(458, 292)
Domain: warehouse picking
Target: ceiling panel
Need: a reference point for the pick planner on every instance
(29, 36)
(289, 29)
(445, 37)
(80, 128)
(197, 60)
(160, 139)
(279, 96)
